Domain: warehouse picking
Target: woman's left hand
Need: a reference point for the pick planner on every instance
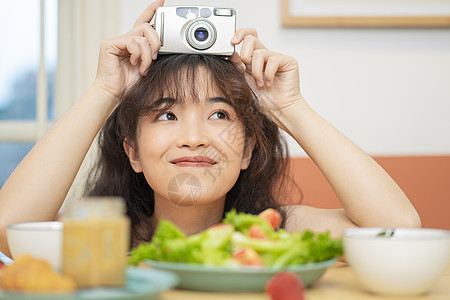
(273, 76)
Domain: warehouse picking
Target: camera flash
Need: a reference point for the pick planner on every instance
(223, 12)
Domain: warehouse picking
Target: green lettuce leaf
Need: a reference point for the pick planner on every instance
(215, 245)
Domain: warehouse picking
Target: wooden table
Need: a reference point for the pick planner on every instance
(337, 283)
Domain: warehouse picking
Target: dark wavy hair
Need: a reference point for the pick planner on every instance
(176, 76)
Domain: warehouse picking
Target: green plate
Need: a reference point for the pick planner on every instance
(141, 283)
(235, 279)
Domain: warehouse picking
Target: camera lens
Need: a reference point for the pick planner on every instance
(201, 34)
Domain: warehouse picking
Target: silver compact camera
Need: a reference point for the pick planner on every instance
(195, 29)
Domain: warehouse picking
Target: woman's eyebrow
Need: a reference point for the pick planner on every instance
(164, 102)
(220, 100)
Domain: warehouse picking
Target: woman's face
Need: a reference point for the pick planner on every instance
(193, 152)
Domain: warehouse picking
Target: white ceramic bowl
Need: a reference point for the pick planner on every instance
(39, 239)
(399, 261)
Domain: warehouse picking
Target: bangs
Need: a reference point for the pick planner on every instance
(180, 79)
(183, 79)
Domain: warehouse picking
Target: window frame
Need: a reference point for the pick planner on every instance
(82, 26)
(17, 130)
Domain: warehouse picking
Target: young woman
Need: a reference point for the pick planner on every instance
(188, 137)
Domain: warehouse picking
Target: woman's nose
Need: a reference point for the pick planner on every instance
(193, 134)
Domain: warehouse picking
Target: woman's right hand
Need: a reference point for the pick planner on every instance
(123, 59)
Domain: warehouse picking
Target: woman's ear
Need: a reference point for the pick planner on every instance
(247, 155)
(132, 156)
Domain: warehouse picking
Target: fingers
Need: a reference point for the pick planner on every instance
(136, 48)
(274, 63)
(249, 46)
(145, 30)
(257, 60)
(141, 44)
(241, 33)
(250, 42)
(149, 47)
(254, 56)
(266, 65)
(142, 53)
(148, 13)
(249, 39)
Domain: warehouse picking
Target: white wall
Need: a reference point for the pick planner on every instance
(386, 89)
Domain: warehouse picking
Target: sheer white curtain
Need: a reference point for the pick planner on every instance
(83, 25)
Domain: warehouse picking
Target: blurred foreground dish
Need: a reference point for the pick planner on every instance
(40, 239)
(397, 261)
(95, 241)
(34, 275)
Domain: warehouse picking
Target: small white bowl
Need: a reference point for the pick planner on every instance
(398, 261)
(40, 239)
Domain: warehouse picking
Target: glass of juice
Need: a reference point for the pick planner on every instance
(96, 241)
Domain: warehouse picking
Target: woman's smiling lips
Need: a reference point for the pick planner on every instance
(194, 161)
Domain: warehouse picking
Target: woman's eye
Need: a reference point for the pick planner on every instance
(167, 117)
(221, 115)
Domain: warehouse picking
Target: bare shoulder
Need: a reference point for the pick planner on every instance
(302, 217)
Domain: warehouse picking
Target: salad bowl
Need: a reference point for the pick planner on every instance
(240, 254)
